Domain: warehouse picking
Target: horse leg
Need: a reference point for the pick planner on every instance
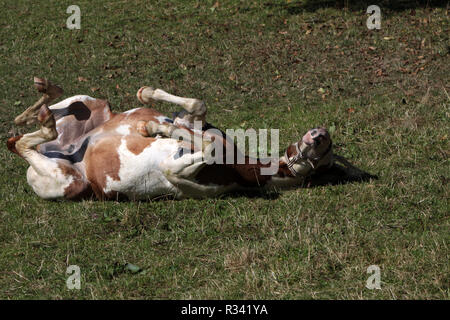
(49, 93)
(49, 178)
(196, 109)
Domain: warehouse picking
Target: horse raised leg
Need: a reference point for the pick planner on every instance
(195, 108)
(50, 178)
(184, 123)
(50, 93)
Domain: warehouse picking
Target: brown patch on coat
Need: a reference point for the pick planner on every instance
(102, 160)
(137, 143)
(251, 174)
(145, 114)
(291, 151)
(132, 119)
(79, 188)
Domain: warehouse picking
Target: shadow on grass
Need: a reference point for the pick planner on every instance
(297, 7)
(342, 172)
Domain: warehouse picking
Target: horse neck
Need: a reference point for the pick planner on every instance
(259, 173)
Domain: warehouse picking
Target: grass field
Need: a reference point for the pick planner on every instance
(289, 65)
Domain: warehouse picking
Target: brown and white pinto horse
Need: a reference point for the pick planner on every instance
(83, 149)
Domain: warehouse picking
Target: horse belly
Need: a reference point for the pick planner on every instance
(141, 176)
(149, 185)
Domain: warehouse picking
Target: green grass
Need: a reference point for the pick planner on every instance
(384, 92)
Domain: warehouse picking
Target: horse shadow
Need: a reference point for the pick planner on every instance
(341, 172)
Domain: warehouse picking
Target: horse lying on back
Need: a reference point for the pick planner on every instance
(83, 149)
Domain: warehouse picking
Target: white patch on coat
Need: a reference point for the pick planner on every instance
(141, 176)
(106, 114)
(123, 129)
(50, 185)
(129, 112)
(67, 102)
